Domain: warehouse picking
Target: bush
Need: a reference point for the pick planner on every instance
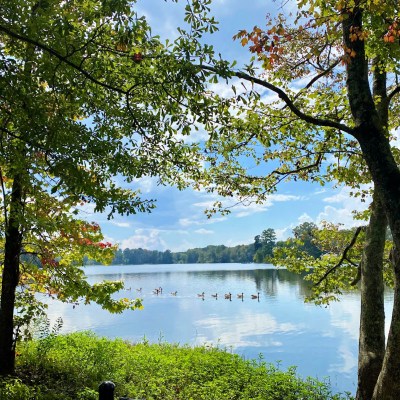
(72, 366)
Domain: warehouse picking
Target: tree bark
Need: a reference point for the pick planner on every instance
(372, 318)
(10, 278)
(371, 134)
(388, 384)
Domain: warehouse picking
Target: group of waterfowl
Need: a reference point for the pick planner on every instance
(227, 296)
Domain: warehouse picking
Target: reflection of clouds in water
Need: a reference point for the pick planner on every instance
(243, 330)
(348, 362)
(345, 315)
(79, 318)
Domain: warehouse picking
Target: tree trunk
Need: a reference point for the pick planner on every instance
(386, 177)
(388, 385)
(10, 278)
(370, 132)
(372, 317)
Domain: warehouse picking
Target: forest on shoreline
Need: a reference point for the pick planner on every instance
(260, 251)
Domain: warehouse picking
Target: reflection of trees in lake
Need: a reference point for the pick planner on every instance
(267, 281)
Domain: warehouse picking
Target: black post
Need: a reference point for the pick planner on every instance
(106, 390)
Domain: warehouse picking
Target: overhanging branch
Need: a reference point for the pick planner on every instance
(61, 57)
(344, 256)
(283, 96)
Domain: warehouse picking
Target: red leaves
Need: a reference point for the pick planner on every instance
(137, 57)
(270, 42)
(49, 262)
(105, 245)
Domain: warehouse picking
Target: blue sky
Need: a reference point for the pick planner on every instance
(179, 222)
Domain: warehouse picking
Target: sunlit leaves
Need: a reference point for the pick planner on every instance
(91, 102)
(335, 271)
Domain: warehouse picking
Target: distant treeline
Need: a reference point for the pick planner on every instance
(260, 251)
(209, 254)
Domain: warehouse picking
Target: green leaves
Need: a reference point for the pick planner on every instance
(90, 99)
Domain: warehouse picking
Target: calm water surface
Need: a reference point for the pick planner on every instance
(279, 326)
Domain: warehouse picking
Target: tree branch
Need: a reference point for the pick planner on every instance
(317, 77)
(344, 256)
(283, 96)
(61, 57)
(393, 93)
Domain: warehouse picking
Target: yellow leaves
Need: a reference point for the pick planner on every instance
(357, 34)
(121, 47)
(78, 118)
(244, 41)
(340, 5)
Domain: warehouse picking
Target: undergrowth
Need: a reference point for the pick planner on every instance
(71, 367)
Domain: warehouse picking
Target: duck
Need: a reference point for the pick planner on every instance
(228, 295)
(174, 293)
(256, 296)
(201, 295)
(215, 295)
(139, 290)
(240, 296)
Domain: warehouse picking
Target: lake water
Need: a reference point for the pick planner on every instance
(279, 326)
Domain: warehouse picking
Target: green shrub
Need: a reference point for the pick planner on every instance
(72, 366)
(14, 389)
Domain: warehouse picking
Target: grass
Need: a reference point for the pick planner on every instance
(70, 367)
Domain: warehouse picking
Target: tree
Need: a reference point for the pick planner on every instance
(305, 233)
(348, 54)
(88, 98)
(267, 243)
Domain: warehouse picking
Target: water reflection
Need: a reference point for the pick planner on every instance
(278, 325)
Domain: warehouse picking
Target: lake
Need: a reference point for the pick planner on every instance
(278, 325)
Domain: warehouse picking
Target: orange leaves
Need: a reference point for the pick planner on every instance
(392, 33)
(357, 34)
(348, 55)
(389, 38)
(244, 41)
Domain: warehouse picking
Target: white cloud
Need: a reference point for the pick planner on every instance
(145, 184)
(145, 238)
(189, 222)
(240, 209)
(121, 224)
(337, 216)
(198, 221)
(304, 218)
(342, 212)
(284, 233)
(203, 231)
